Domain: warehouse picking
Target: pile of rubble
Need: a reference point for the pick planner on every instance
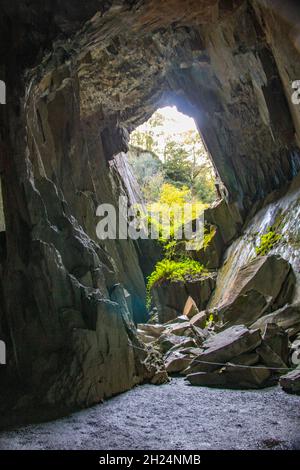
(246, 342)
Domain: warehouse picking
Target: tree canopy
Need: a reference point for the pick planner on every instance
(179, 159)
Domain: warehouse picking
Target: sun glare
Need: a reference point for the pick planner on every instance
(174, 122)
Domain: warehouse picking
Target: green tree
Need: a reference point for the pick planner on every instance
(177, 167)
(185, 160)
(204, 185)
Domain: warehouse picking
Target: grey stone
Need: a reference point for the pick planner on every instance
(224, 346)
(291, 381)
(288, 318)
(232, 376)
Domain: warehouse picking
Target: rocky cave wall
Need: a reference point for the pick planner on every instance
(67, 299)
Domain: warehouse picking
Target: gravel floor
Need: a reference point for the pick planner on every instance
(172, 416)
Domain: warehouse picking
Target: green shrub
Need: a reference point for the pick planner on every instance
(170, 270)
(267, 242)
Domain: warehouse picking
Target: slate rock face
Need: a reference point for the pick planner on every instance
(170, 297)
(265, 275)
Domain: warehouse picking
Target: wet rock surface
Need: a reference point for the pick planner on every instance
(172, 416)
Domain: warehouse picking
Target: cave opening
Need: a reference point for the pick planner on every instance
(170, 161)
(173, 174)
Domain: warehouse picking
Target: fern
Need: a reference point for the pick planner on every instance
(169, 270)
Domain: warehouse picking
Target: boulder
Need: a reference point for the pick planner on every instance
(200, 335)
(266, 275)
(224, 346)
(190, 350)
(287, 292)
(151, 330)
(176, 362)
(271, 359)
(170, 297)
(144, 337)
(277, 339)
(180, 319)
(186, 346)
(200, 319)
(247, 359)
(166, 314)
(226, 217)
(190, 308)
(245, 309)
(232, 376)
(291, 381)
(180, 329)
(155, 366)
(287, 318)
(170, 341)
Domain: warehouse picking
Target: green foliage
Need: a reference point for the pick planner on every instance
(180, 159)
(182, 170)
(177, 167)
(171, 195)
(147, 169)
(209, 233)
(210, 320)
(172, 169)
(204, 185)
(267, 242)
(170, 270)
(169, 217)
(170, 249)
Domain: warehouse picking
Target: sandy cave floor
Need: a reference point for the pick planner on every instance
(174, 416)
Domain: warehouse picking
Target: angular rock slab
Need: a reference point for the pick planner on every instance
(246, 359)
(288, 318)
(278, 340)
(190, 308)
(151, 330)
(224, 346)
(170, 341)
(271, 359)
(245, 309)
(291, 381)
(176, 362)
(200, 319)
(265, 274)
(232, 376)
